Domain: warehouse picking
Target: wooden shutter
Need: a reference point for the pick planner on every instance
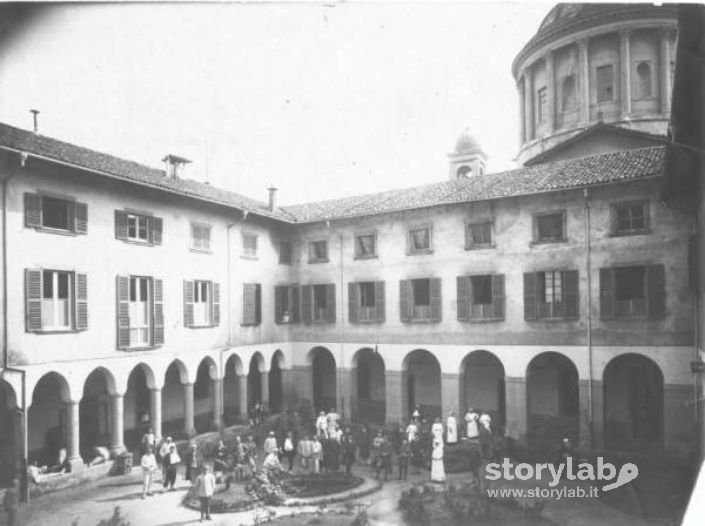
(80, 218)
(281, 302)
(123, 311)
(32, 210)
(33, 299)
(158, 310)
(258, 304)
(436, 300)
(530, 307)
(463, 290)
(379, 301)
(607, 296)
(81, 291)
(307, 304)
(353, 302)
(498, 296)
(121, 224)
(330, 303)
(294, 306)
(405, 300)
(215, 312)
(656, 290)
(156, 223)
(188, 303)
(571, 294)
(249, 298)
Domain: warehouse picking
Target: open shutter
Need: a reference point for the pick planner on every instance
(353, 302)
(32, 210)
(606, 293)
(248, 303)
(379, 301)
(157, 230)
(307, 304)
(498, 296)
(330, 303)
(656, 290)
(463, 291)
(530, 310)
(436, 311)
(123, 311)
(80, 218)
(294, 305)
(571, 293)
(281, 302)
(81, 323)
(188, 303)
(405, 300)
(258, 304)
(121, 224)
(158, 321)
(33, 299)
(215, 313)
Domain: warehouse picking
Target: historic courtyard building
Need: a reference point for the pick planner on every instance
(557, 296)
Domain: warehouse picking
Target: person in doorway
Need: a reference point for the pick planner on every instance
(148, 463)
(348, 454)
(11, 502)
(289, 449)
(205, 488)
(471, 429)
(438, 473)
(171, 462)
(452, 429)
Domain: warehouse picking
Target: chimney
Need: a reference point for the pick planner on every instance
(173, 165)
(35, 119)
(272, 197)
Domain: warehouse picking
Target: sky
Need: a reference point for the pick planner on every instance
(319, 100)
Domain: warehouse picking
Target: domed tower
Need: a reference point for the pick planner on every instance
(467, 159)
(595, 78)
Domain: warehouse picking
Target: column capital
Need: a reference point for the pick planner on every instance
(625, 33)
(583, 43)
(548, 56)
(667, 32)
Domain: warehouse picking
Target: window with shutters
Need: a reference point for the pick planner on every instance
(366, 246)
(549, 228)
(366, 302)
(630, 218)
(285, 253)
(421, 298)
(55, 300)
(55, 214)
(249, 244)
(630, 291)
(478, 235)
(251, 304)
(481, 298)
(201, 303)
(551, 294)
(320, 303)
(419, 240)
(137, 228)
(286, 304)
(133, 227)
(139, 311)
(604, 83)
(200, 237)
(633, 291)
(318, 251)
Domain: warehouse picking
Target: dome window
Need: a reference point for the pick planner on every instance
(568, 94)
(542, 104)
(464, 171)
(643, 74)
(604, 76)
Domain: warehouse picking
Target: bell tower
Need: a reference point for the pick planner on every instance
(468, 159)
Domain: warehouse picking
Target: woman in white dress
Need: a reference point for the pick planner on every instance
(411, 430)
(438, 472)
(452, 429)
(437, 430)
(471, 418)
(485, 421)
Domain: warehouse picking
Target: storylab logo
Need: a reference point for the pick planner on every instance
(601, 471)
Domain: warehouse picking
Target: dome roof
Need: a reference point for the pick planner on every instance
(466, 143)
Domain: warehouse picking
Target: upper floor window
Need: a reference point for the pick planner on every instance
(249, 244)
(541, 104)
(285, 253)
(365, 246)
(366, 301)
(551, 294)
(318, 303)
(54, 213)
(200, 237)
(318, 251)
(549, 227)
(140, 313)
(201, 303)
(420, 299)
(55, 300)
(286, 304)
(419, 240)
(138, 228)
(478, 235)
(568, 93)
(604, 83)
(630, 218)
(643, 78)
(251, 304)
(481, 298)
(633, 291)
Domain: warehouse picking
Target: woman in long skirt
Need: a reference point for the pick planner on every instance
(471, 418)
(452, 429)
(438, 472)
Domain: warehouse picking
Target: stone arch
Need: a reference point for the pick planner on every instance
(276, 385)
(173, 408)
(96, 409)
(369, 390)
(233, 376)
(204, 394)
(552, 400)
(323, 378)
(421, 383)
(47, 426)
(482, 384)
(633, 391)
(136, 409)
(10, 433)
(256, 368)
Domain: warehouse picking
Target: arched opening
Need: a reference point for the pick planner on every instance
(552, 400)
(95, 412)
(173, 407)
(568, 93)
(422, 383)
(276, 389)
(369, 387)
(633, 403)
(203, 396)
(47, 431)
(643, 75)
(254, 380)
(323, 377)
(10, 434)
(463, 172)
(483, 385)
(231, 391)
(136, 406)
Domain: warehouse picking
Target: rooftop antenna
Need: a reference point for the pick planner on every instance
(35, 119)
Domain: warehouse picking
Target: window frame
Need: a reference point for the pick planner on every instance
(209, 303)
(491, 312)
(195, 225)
(77, 212)
(152, 221)
(410, 250)
(469, 242)
(374, 254)
(247, 251)
(138, 218)
(613, 95)
(283, 261)
(542, 105)
(312, 257)
(567, 310)
(615, 231)
(537, 240)
(637, 93)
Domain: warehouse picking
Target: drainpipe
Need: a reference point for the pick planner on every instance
(229, 344)
(342, 327)
(588, 270)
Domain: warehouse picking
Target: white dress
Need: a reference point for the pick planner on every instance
(438, 472)
(411, 431)
(452, 430)
(437, 430)
(485, 421)
(471, 422)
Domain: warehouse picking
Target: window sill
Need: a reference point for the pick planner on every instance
(635, 232)
(56, 331)
(487, 246)
(143, 348)
(251, 257)
(419, 252)
(366, 322)
(136, 243)
(200, 250)
(631, 317)
(251, 324)
(279, 322)
(554, 320)
(375, 256)
(548, 241)
(314, 261)
(482, 320)
(57, 231)
(210, 326)
(421, 320)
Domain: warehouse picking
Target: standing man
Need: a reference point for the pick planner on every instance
(205, 487)
(149, 466)
(305, 449)
(348, 453)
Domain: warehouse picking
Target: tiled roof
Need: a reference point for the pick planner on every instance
(40, 145)
(541, 178)
(548, 177)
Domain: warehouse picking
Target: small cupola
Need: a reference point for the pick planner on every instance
(174, 165)
(468, 159)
